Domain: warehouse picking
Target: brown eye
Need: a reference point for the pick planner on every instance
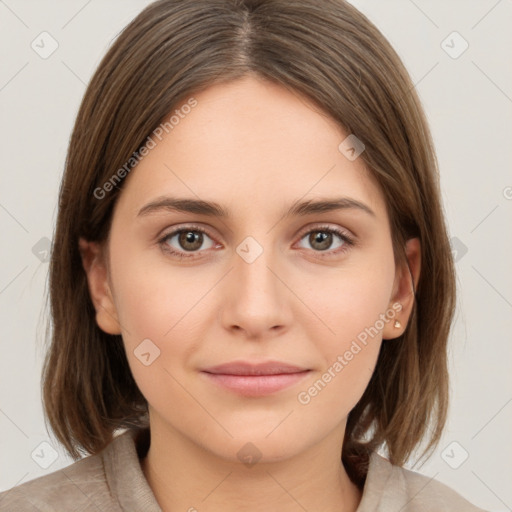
(190, 240)
(322, 239)
(186, 240)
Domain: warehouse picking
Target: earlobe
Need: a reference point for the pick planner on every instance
(404, 290)
(95, 267)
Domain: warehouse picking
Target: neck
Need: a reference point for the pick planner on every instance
(188, 477)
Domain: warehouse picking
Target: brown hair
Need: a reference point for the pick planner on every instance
(326, 50)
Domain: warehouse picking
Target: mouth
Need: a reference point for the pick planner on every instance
(252, 380)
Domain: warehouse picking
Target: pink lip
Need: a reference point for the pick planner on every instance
(255, 379)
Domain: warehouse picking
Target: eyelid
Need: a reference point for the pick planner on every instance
(186, 227)
(348, 239)
(163, 237)
(325, 226)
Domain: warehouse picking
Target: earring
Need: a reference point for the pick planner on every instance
(398, 324)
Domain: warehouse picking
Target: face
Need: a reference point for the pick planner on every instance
(190, 290)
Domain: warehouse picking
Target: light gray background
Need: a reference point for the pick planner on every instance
(468, 103)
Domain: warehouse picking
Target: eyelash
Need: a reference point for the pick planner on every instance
(348, 241)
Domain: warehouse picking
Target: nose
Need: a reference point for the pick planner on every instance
(255, 298)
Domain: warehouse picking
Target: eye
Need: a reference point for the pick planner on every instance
(321, 240)
(188, 239)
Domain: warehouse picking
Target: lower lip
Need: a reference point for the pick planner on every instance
(256, 385)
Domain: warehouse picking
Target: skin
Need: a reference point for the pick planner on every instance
(253, 147)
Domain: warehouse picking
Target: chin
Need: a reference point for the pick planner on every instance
(250, 449)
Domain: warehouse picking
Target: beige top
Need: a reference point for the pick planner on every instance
(113, 481)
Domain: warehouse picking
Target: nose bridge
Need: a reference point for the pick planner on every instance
(256, 296)
(256, 258)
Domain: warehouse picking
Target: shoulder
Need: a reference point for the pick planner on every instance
(388, 486)
(80, 486)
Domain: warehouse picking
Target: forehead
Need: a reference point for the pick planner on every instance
(250, 145)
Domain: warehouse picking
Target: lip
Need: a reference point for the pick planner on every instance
(248, 368)
(255, 379)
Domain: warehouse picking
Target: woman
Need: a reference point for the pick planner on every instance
(251, 274)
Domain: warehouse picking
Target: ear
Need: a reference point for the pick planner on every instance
(94, 262)
(403, 297)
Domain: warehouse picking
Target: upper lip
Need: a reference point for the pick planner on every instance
(248, 368)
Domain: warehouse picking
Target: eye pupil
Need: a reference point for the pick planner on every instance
(191, 240)
(191, 237)
(321, 238)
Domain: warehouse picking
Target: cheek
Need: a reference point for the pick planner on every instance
(156, 333)
(351, 309)
(154, 298)
(164, 304)
(347, 303)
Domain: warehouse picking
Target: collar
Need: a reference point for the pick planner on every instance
(129, 486)
(125, 478)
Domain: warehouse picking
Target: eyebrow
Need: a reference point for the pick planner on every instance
(213, 209)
